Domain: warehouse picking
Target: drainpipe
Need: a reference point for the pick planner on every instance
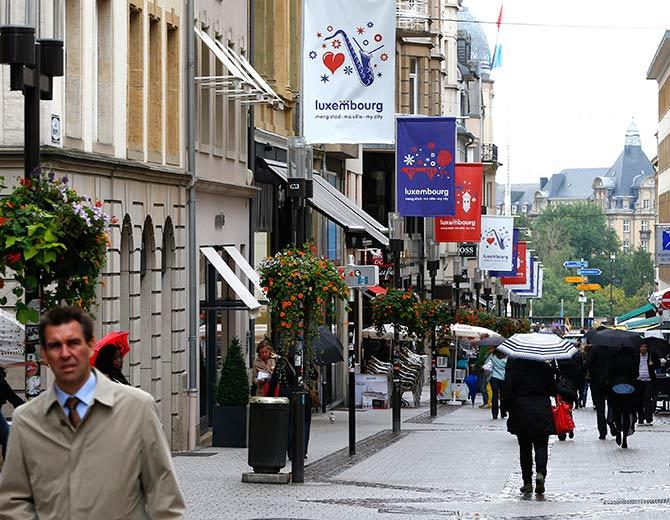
(193, 323)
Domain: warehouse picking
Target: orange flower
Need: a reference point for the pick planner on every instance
(282, 314)
(292, 298)
(289, 284)
(300, 295)
(10, 204)
(3, 221)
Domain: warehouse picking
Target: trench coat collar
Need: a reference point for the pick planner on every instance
(104, 392)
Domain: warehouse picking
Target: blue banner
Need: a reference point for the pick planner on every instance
(530, 287)
(425, 160)
(515, 258)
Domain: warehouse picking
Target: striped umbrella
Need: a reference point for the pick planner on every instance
(538, 346)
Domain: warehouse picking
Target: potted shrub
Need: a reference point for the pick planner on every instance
(229, 423)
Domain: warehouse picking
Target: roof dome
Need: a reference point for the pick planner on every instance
(633, 135)
(480, 51)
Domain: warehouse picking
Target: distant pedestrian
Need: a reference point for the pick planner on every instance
(584, 390)
(86, 448)
(646, 398)
(483, 367)
(110, 362)
(473, 385)
(529, 386)
(499, 362)
(568, 379)
(264, 366)
(6, 395)
(597, 360)
(622, 376)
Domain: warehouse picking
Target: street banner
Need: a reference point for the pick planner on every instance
(520, 277)
(532, 291)
(515, 258)
(495, 246)
(348, 70)
(662, 244)
(425, 177)
(524, 290)
(465, 225)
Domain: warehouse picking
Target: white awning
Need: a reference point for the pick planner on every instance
(232, 280)
(244, 82)
(246, 268)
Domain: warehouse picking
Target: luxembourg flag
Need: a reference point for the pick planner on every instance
(496, 62)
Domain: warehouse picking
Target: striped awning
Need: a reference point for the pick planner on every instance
(538, 346)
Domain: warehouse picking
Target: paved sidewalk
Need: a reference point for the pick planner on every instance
(463, 465)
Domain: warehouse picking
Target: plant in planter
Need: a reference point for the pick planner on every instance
(232, 396)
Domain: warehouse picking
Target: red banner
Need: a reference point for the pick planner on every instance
(465, 225)
(520, 278)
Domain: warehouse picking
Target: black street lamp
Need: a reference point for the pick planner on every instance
(33, 49)
(433, 266)
(299, 189)
(396, 233)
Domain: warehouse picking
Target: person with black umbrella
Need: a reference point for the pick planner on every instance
(596, 363)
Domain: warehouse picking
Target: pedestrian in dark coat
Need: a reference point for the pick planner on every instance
(529, 386)
(622, 375)
(6, 395)
(648, 363)
(597, 361)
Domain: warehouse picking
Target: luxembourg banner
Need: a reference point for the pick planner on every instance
(532, 291)
(495, 245)
(515, 259)
(425, 176)
(465, 225)
(520, 277)
(525, 289)
(348, 70)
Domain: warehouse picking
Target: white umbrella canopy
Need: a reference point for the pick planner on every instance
(537, 346)
(471, 332)
(12, 336)
(387, 332)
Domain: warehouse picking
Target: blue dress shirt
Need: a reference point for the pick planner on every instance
(85, 396)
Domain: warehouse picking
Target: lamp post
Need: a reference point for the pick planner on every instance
(612, 259)
(433, 266)
(299, 189)
(396, 233)
(31, 44)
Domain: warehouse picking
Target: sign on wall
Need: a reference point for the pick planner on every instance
(425, 176)
(496, 243)
(662, 244)
(465, 225)
(348, 67)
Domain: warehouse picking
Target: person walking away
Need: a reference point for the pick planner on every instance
(568, 378)
(644, 387)
(499, 362)
(529, 386)
(86, 448)
(584, 390)
(622, 376)
(264, 366)
(6, 394)
(483, 368)
(597, 360)
(109, 361)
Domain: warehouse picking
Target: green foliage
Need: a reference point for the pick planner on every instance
(635, 270)
(398, 306)
(506, 327)
(53, 239)
(233, 386)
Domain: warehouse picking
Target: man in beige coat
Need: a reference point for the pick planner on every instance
(86, 448)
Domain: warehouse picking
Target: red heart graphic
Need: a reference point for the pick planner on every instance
(333, 61)
(490, 240)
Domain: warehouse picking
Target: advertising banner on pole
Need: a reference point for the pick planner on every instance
(531, 292)
(520, 277)
(495, 246)
(465, 225)
(515, 259)
(348, 67)
(425, 177)
(530, 269)
(662, 244)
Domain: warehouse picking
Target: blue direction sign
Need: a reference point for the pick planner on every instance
(589, 272)
(575, 264)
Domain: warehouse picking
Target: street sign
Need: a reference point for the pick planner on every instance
(467, 250)
(665, 300)
(361, 275)
(574, 279)
(589, 287)
(589, 272)
(575, 264)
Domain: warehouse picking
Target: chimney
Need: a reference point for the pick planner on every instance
(543, 182)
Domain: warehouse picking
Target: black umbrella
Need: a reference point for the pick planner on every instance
(491, 341)
(612, 338)
(658, 346)
(327, 348)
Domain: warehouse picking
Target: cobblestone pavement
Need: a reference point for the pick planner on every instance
(461, 465)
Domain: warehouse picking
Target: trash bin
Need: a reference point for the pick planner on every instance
(268, 433)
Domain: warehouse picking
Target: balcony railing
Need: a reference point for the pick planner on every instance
(412, 16)
(489, 153)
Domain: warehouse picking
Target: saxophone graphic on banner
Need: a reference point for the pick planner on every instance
(349, 71)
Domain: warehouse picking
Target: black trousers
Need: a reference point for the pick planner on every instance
(646, 401)
(497, 397)
(599, 395)
(526, 446)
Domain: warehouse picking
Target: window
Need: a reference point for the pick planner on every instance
(644, 225)
(413, 86)
(524, 209)
(626, 226)
(626, 245)
(645, 204)
(104, 71)
(73, 69)
(173, 94)
(155, 109)
(514, 209)
(135, 105)
(205, 92)
(644, 244)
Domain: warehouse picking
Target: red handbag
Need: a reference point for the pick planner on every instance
(563, 417)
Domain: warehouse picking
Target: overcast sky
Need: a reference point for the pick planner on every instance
(565, 95)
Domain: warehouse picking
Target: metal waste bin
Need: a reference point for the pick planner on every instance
(268, 433)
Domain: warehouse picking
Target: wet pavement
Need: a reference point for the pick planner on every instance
(460, 465)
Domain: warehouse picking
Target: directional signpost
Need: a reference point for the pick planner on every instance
(574, 279)
(589, 272)
(575, 264)
(589, 287)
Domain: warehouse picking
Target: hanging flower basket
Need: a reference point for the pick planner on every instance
(437, 315)
(53, 242)
(400, 307)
